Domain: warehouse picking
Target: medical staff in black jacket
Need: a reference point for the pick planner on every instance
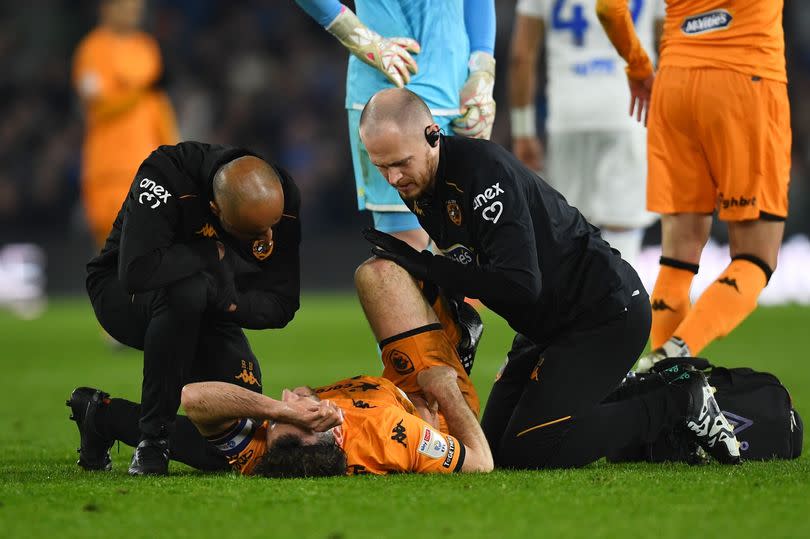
(581, 314)
(206, 243)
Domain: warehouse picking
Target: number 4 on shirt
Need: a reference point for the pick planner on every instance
(576, 21)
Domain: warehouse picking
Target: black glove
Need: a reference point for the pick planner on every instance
(390, 248)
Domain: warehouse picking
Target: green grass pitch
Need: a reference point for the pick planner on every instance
(44, 494)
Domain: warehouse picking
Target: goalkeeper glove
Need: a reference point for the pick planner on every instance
(387, 55)
(476, 102)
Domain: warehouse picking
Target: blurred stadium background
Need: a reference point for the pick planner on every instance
(258, 73)
(261, 73)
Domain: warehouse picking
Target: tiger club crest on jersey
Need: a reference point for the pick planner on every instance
(262, 249)
(401, 362)
(454, 212)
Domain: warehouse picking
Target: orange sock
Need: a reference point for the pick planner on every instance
(406, 354)
(670, 298)
(727, 302)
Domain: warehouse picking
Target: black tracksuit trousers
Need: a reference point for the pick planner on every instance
(546, 408)
(182, 341)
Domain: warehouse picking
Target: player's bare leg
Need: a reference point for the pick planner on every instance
(460, 321)
(391, 298)
(758, 238)
(408, 329)
(733, 296)
(684, 235)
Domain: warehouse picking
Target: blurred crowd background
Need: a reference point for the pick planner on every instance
(257, 73)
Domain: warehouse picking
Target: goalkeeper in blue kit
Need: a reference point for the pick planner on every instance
(442, 51)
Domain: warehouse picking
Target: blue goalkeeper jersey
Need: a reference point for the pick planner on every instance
(447, 30)
(438, 26)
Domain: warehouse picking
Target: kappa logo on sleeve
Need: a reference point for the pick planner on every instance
(399, 435)
(247, 376)
(432, 444)
(153, 194)
(362, 404)
(207, 231)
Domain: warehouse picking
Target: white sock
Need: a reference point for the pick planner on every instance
(675, 347)
(627, 242)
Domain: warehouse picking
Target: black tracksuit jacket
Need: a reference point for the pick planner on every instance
(512, 241)
(166, 232)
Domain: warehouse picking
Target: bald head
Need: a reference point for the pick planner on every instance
(393, 127)
(395, 108)
(248, 196)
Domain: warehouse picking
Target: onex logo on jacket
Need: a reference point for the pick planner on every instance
(488, 194)
(152, 194)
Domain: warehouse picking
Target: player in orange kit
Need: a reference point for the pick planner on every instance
(360, 425)
(380, 431)
(718, 139)
(115, 72)
(387, 425)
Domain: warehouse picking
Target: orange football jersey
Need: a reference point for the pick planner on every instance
(381, 433)
(740, 35)
(126, 117)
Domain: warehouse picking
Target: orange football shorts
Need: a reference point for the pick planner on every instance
(404, 358)
(718, 140)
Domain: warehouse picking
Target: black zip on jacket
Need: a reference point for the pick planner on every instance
(165, 232)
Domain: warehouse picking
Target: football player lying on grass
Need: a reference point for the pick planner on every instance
(357, 425)
(420, 416)
(367, 425)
